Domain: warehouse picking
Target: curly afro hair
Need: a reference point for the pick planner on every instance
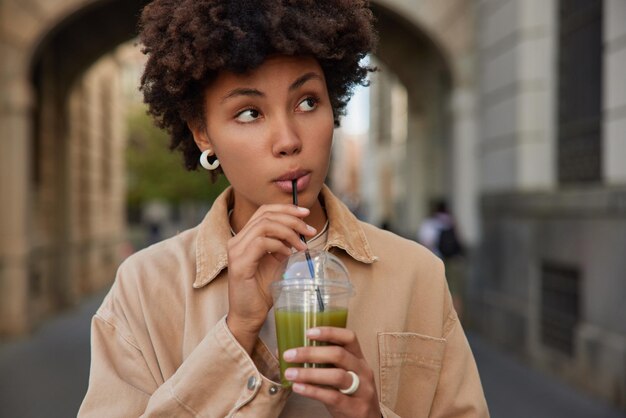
(189, 41)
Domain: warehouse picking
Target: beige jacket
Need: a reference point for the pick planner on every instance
(161, 347)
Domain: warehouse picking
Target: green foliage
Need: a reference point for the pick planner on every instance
(155, 172)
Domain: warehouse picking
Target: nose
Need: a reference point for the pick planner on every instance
(285, 138)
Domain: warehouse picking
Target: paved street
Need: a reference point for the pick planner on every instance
(46, 376)
(514, 391)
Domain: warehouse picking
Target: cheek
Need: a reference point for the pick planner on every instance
(327, 136)
(324, 128)
(238, 152)
(323, 144)
(236, 143)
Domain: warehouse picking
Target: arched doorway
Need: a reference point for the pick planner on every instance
(56, 217)
(419, 130)
(77, 174)
(46, 228)
(415, 75)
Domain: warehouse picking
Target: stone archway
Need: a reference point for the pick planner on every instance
(75, 189)
(427, 46)
(48, 44)
(415, 165)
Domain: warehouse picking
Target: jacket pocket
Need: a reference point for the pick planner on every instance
(409, 371)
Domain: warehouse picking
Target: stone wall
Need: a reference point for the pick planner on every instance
(517, 88)
(548, 282)
(61, 171)
(583, 230)
(615, 91)
(78, 198)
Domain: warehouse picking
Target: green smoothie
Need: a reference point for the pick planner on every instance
(290, 329)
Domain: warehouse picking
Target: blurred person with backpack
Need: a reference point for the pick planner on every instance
(438, 233)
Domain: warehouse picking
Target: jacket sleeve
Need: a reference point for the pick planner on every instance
(217, 379)
(459, 391)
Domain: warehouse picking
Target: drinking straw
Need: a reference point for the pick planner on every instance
(294, 195)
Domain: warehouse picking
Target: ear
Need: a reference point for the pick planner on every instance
(200, 135)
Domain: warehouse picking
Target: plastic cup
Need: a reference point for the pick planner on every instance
(302, 302)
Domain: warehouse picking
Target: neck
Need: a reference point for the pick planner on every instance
(317, 218)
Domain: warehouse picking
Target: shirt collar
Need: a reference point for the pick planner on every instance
(344, 232)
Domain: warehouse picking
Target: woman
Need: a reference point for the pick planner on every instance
(254, 89)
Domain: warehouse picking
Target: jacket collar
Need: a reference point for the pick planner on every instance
(344, 231)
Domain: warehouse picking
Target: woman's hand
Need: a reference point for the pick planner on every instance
(323, 384)
(253, 256)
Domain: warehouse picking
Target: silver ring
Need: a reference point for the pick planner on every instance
(354, 386)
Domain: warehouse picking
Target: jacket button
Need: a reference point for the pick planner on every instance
(251, 382)
(273, 390)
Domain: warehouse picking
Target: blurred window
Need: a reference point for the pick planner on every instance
(560, 306)
(580, 91)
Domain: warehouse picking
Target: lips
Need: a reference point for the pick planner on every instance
(302, 177)
(292, 175)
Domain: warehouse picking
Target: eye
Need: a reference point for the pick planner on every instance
(248, 115)
(308, 104)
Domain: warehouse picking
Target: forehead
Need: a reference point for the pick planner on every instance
(275, 72)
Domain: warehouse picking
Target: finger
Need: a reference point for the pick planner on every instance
(334, 354)
(293, 222)
(339, 336)
(283, 227)
(242, 247)
(277, 230)
(280, 257)
(327, 396)
(249, 257)
(293, 210)
(263, 246)
(338, 378)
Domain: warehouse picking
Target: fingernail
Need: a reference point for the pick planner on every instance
(310, 228)
(303, 210)
(289, 354)
(298, 387)
(313, 332)
(291, 374)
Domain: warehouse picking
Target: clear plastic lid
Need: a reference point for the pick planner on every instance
(321, 267)
(312, 281)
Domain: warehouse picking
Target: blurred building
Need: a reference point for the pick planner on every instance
(61, 160)
(551, 281)
(513, 110)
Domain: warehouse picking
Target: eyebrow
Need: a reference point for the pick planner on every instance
(245, 91)
(303, 79)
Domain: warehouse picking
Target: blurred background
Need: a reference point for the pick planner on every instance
(511, 111)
